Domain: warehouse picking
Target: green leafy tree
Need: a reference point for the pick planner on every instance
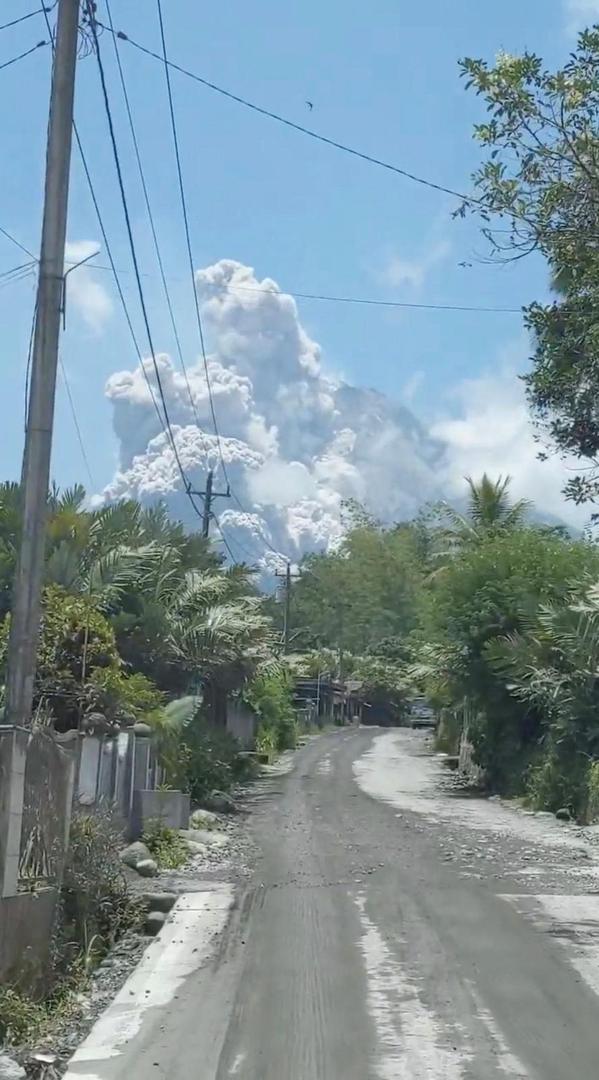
(492, 590)
(367, 591)
(538, 190)
(553, 668)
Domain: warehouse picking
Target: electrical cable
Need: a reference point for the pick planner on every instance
(151, 218)
(22, 18)
(188, 236)
(17, 273)
(21, 56)
(374, 302)
(133, 251)
(18, 243)
(28, 366)
(223, 537)
(368, 301)
(76, 422)
(295, 126)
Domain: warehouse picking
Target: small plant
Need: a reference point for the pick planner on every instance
(167, 846)
(266, 740)
(98, 906)
(592, 813)
(21, 1018)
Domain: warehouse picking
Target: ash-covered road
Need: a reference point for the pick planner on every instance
(391, 932)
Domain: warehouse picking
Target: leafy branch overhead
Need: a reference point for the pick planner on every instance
(538, 190)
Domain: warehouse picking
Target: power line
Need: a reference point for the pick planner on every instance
(22, 18)
(107, 245)
(21, 56)
(224, 539)
(367, 301)
(373, 301)
(151, 217)
(17, 243)
(188, 235)
(76, 422)
(133, 250)
(380, 162)
(28, 367)
(17, 273)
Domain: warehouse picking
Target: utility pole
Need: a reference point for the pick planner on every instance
(289, 577)
(24, 629)
(208, 497)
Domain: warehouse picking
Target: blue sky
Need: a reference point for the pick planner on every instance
(383, 78)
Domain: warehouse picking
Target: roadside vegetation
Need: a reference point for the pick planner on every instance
(491, 616)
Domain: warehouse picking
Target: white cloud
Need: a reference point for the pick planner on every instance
(492, 432)
(298, 443)
(581, 14)
(412, 386)
(413, 272)
(281, 483)
(87, 295)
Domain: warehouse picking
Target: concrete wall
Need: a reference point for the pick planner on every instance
(171, 808)
(26, 926)
(242, 723)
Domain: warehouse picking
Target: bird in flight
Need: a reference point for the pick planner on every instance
(310, 105)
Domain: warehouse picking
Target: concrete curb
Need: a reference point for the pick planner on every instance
(184, 944)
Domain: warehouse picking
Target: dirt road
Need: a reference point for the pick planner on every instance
(390, 933)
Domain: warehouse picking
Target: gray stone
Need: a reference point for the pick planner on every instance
(141, 729)
(203, 819)
(135, 853)
(195, 849)
(204, 836)
(10, 1069)
(159, 901)
(147, 868)
(221, 803)
(563, 814)
(154, 922)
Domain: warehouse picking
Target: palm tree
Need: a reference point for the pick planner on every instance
(489, 510)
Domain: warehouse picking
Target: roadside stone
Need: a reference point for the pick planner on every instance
(203, 819)
(154, 922)
(147, 868)
(195, 848)
(563, 814)
(10, 1069)
(135, 853)
(204, 836)
(221, 803)
(159, 901)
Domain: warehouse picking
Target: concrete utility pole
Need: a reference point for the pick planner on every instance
(289, 577)
(208, 496)
(22, 649)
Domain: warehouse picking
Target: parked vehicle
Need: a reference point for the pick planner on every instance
(421, 714)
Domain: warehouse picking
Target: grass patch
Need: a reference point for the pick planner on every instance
(167, 846)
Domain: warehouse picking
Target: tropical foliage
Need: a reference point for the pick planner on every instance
(537, 191)
(135, 612)
(491, 616)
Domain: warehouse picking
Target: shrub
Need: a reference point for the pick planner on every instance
(167, 846)
(213, 760)
(20, 1016)
(271, 697)
(560, 779)
(266, 740)
(97, 903)
(592, 812)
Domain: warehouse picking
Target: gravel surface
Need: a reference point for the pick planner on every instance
(385, 935)
(230, 862)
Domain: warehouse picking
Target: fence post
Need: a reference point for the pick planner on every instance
(13, 757)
